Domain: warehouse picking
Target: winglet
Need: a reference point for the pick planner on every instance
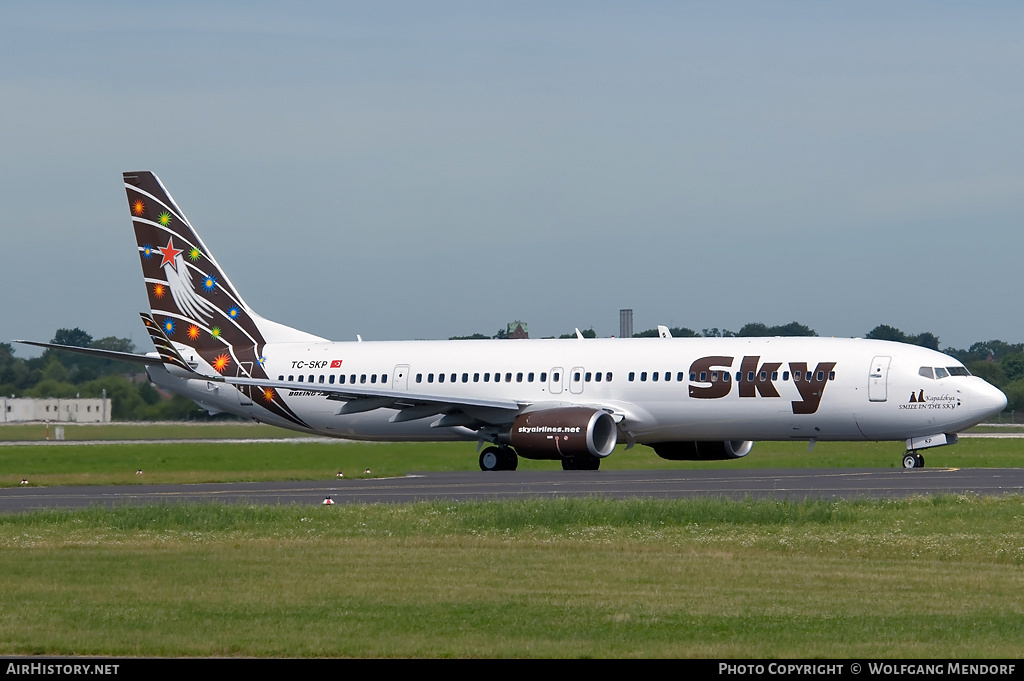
(168, 353)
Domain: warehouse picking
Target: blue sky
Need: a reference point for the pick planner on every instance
(418, 170)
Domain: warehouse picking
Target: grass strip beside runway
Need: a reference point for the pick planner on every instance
(935, 577)
(191, 462)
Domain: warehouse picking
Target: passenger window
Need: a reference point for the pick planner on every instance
(341, 378)
(821, 375)
(330, 379)
(785, 375)
(352, 379)
(430, 378)
(831, 375)
(556, 377)
(373, 378)
(419, 378)
(632, 375)
(726, 376)
(608, 377)
(775, 375)
(597, 377)
(529, 377)
(362, 378)
(311, 378)
(543, 377)
(476, 377)
(465, 378)
(693, 375)
(643, 375)
(796, 375)
(300, 378)
(487, 377)
(291, 378)
(453, 378)
(576, 377)
(750, 377)
(508, 377)
(519, 377)
(703, 377)
(679, 376)
(587, 377)
(654, 375)
(440, 378)
(714, 377)
(763, 376)
(280, 378)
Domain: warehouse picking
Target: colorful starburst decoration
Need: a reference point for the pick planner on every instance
(164, 218)
(215, 332)
(262, 360)
(268, 394)
(220, 363)
(138, 207)
(194, 254)
(159, 290)
(233, 312)
(147, 251)
(168, 326)
(193, 332)
(209, 283)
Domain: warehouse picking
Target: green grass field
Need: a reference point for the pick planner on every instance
(318, 459)
(926, 577)
(937, 577)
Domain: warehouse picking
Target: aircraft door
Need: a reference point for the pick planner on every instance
(400, 377)
(555, 381)
(576, 380)
(878, 378)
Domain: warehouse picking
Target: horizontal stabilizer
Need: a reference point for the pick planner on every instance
(97, 352)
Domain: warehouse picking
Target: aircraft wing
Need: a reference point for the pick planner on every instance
(411, 405)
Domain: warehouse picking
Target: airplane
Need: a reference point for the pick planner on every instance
(570, 400)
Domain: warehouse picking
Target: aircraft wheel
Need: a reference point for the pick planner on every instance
(510, 460)
(498, 459)
(920, 460)
(490, 459)
(581, 463)
(910, 460)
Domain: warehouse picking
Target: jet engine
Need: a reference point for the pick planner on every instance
(701, 450)
(564, 433)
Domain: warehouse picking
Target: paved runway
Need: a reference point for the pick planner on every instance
(733, 484)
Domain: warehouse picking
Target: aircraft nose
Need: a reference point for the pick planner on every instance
(986, 400)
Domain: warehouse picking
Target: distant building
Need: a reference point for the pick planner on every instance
(517, 329)
(625, 323)
(77, 410)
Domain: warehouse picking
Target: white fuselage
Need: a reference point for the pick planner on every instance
(659, 389)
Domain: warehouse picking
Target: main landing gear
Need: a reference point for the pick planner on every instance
(500, 458)
(912, 459)
(584, 462)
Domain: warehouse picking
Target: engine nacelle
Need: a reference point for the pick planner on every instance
(701, 450)
(562, 433)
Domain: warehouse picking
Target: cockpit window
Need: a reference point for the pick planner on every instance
(940, 372)
(926, 372)
(958, 371)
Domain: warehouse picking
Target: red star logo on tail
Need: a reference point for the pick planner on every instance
(170, 253)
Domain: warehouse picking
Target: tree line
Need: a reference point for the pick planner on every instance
(133, 397)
